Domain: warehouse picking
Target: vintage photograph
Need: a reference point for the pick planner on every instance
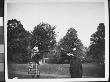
(55, 39)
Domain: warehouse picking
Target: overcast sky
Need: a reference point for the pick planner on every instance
(84, 17)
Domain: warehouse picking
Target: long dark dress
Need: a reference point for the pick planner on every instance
(75, 67)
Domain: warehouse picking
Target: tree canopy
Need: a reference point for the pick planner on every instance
(69, 42)
(17, 42)
(43, 37)
(97, 47)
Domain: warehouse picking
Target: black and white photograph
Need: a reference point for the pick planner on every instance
(2, 55)
(51, 39)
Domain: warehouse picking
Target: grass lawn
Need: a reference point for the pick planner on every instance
(57, 70)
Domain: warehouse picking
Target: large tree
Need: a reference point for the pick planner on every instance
(69, 42)
(17, 41)
(43, 37)
(97, 46)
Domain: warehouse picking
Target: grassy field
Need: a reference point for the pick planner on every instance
(58, 70)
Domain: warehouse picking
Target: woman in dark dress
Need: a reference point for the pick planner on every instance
(75, 67)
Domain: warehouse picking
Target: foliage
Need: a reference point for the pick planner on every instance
(97, 47)
(43, 37)
(68, 43)
(17, 42)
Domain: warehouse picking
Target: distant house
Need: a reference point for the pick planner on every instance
(44, 60)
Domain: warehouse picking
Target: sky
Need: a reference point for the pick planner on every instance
(83, 16)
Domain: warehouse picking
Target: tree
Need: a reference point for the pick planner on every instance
(17, 42)
(97, 47)
(43, 37)
(69, 42)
